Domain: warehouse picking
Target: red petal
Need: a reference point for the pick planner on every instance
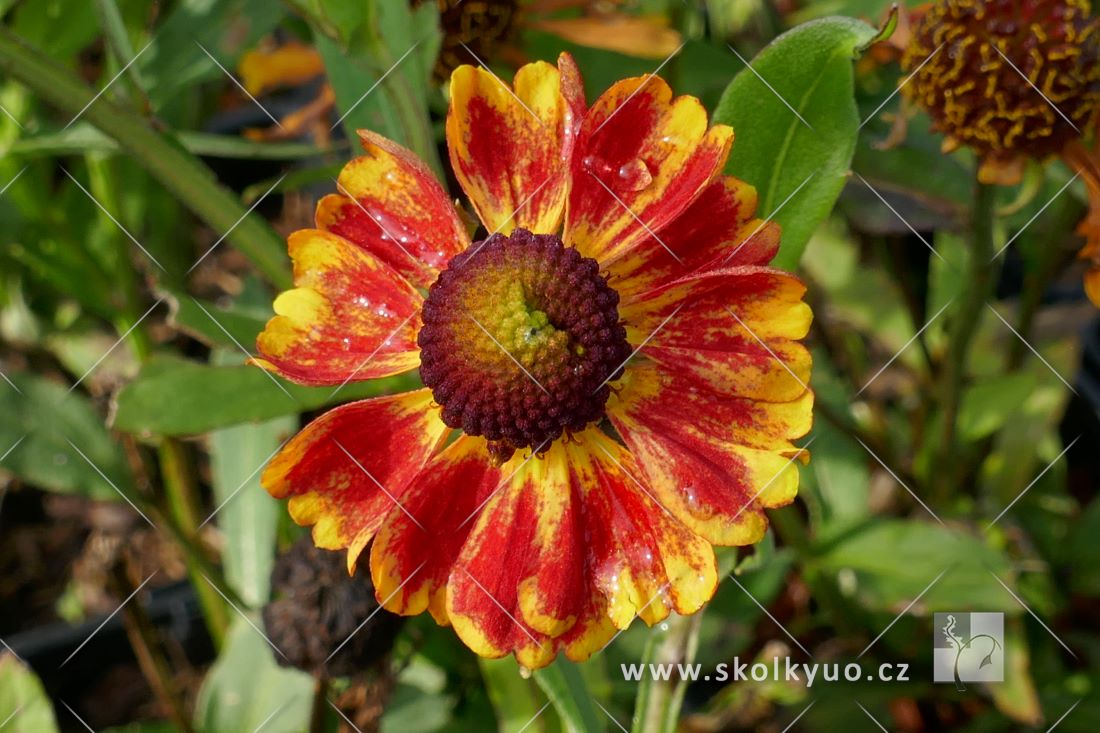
(716, 230)
(351, 317)
(643, 559)
(733, 331)
(411, 560)
(715, 462)
(521, 584)
(391, 205)
(349, 468)
(510, 148)
(641, 159)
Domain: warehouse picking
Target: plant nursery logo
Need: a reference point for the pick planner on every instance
(969, 647)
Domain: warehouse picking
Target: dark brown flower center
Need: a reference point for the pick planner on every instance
(521, 338)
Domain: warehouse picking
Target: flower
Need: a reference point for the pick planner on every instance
(1013, 79)
(614, 376)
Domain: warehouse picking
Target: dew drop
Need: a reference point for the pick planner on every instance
(635, 175)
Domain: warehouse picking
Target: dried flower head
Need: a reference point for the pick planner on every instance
(317, 616)
(1013, 79)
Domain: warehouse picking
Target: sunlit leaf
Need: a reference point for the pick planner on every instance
(796, 123)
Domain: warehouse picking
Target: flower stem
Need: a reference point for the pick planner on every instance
(979, 280)
(183, 505)
(150, 655)
(657, 706)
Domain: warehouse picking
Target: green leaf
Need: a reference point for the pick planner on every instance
(174, 396)
(378, 67)
(40, 421)
(989, 404)
(809, 68)
(24, 707)
(885, 564)
(241, 325)
(1083, 552)
(247, 515)
(563, 684)
(246, 689)
(838, 488)
(175, 61)
(420, 703)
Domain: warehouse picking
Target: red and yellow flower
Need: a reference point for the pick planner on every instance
(613, 375)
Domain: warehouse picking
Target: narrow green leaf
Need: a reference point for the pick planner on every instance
(176, 60)
(991, 401)
(247, 515)
(43, 433)
(378, 67)
(797, 156)
(174, 396)
(84, 138)
(563, 684)
(24, 706)
(114, 31)
(241, 324)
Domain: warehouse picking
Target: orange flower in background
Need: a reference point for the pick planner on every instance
(477, 31)
(613, 376)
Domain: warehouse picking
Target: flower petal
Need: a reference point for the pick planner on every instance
(521, 579)
(734, 331)
(411, 560)
(641, 158)
(346, 470)
(510, 147)
(715, 462)
(391, 205)
(351, 317)
(643, 559)
(716, 230)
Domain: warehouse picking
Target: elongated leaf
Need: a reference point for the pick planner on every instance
(174, 396)
(377, 56)
(44, 430)
(24, 707)
(83, 138)
(247, 515)
(241, 324)
(563, 684)
(176, 61)
(795, 121)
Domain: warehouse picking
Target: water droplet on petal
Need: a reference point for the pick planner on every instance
(634, 175)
